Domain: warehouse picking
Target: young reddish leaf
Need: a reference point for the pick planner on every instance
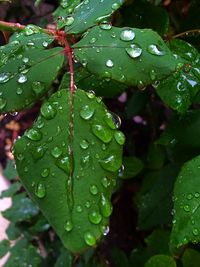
(73, 193)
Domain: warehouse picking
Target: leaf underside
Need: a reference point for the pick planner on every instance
(77, 206)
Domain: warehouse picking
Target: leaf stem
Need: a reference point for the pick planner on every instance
(186, 33)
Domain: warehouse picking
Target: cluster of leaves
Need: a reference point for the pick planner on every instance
(69, 160)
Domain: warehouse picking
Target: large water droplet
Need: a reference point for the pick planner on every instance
(109, 120)
(3, 103)
(37, 87)
(95, 217)
(68, 226)
(109, 63)
(111, 163)
(155, 50)
(45, 173)
(34, 134)
(119, 137)
(47, 111)
(56, 152)
(40, 190)
(4, 77)
(93, 189)
(89, 238)
(22, 78)
(64, 164)
(127, 35)
(84, 144)
(87, 112)
(134, 51)
(103, 133)
(106, 206)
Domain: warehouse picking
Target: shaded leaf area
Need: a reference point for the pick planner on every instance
(132, 167)
(186, 205)
(80, 198)
(4, 247)
(23, 74)
(10, 171)
(90, 13)
(127, 55)
(23, 254)
(11, 190)
(191, 258)
(181, 137)
(161, 261)
(155, 202)
(90, 82)
(178, 91)
(64, 259)
(142, 14)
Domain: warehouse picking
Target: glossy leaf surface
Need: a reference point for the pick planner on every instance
(161, 261)
(127, 55)
(74, 194)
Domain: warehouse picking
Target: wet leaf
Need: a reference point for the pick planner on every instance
(73, 193)
(161, 261)
(186, 205)
(127, 55)
(191, 258)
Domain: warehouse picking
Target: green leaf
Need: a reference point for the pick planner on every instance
(127, 55)
(178, 90)
(155, 156)
(158, 242)
(13, 232)
(10, 172)
(12, 190)
(156, 204)
(73, 195)
(119, 258)
(40, 226)
(90, 13)
(64, 260)
(25, 76)
(4, 247)
(21, 209)
(161, 261)
(186, 205)
(23, 254)
(132, 167)
(191, 258)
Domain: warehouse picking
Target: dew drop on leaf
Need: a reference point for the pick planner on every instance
(95, 217)
(84, 144)
(186, 208)
(79, 208)
(40, 190)
(105, 26)
(19, 91)
(89, 238)
(3, 103)
(112, 163)
(119, 137)
(69, 21)
(45, 173)
(22, 78)
(127, 35)
(64, 164)
(105, 182)
(87, 112)
(195, 231)
(4, 77)
(93, 190)
(56, 152)
(106, 207)
(37, 152)
(37, 87)
(103, 133)
(134, 51)
(34, 134)
(47, 111)
(109, 63)
(109, 121)
(68, 226)
(154, 50)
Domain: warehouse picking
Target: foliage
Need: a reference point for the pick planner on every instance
(82, 178)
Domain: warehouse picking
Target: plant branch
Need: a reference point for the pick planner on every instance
(186, 33)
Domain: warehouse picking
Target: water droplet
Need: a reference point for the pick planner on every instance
(3, 103)
(189, 196)
(34, 134)
(68, 226)
(69, 21)
(40, 190)
(155, 50)
(38, 87)
(105, 182)
(95, 217)
(105, 26)
(109, 120)
(79, 208)
(103, 133)
(87, 204)
(196, 194)
(45, 173)
(64, 164)
(56, 152)
(87, 112)
(90, 95)
(127, 35)
(115, 6)
(4, 77)
(111, 163)
(93, 189)
(195, 231)
(22, 78)
(47, 111)
(37, 152)
(89, 239)
(84, 144)
(186, 208)
(106, 206)
(105, 230)
(119, 137)
(153, 75)
(109, 63)
(25, 59)
(45, 44)
(134, 51)
(19, 91)
(93, 40)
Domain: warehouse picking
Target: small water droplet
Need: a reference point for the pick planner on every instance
(89, 238)
(34, 134)
(47, 111)
(134, 51)
(87, 112)
(19, 91)
(111, 163)
(40, 190)
(22, 78)
(45, 44)
(127, 35)
(109, 120)
(87, 204)
(109, 63)
(95, 217)
(45, 173)
(69, 21)
(115, 6)
(155, 50)
(196, 194)
(189, 196)
(25, 59)
(38, 87)
(105, 230)
(93, 189)
(105, 182)
(195, 231)
(84, 144)
(79, 209)
(64, 164)
(186, 208)
(4, 77)
(93, 40)
(106, 206)
(103, 133)
(119, 137)
(56, 152)
(106, 26)
(68, 226)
